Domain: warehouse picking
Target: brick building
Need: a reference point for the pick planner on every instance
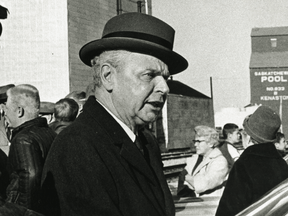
(41, 41)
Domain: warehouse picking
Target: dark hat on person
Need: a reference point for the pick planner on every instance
(46, 107)
(137, 32)
(262, 125)
(3, 90)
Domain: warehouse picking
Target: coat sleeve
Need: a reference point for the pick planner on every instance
(75, 178)
(25, 169)
(214, 175)
(237, 192)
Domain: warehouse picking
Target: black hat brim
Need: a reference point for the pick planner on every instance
(175, 62)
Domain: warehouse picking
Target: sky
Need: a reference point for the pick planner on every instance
(215, 38)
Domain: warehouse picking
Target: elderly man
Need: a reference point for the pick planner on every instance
(259, 168)
(106, 162)
(31, 140)
(205, 171)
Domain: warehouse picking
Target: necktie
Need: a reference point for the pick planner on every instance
(139, 144)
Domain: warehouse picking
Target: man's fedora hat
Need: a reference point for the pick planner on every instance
(137, 32)
(3, 90)
(262, 125)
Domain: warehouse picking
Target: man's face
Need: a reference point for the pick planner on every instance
(281, 145)
(11, 113)
(140, 89)
(235, 136)
(201, 145)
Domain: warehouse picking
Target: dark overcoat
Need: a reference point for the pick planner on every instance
(258, 169)
(93, 168)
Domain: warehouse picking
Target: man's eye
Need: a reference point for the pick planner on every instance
(149, 75)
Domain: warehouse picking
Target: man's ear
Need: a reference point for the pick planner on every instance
(229, 135)
(106, 74)
(20, 112)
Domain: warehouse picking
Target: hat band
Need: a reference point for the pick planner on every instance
(141, 36)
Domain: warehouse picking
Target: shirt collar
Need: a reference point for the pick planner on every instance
(128, 131)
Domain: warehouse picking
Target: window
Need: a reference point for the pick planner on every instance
(273, 42)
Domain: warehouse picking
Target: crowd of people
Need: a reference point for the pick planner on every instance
(91, 154)
(239, 177)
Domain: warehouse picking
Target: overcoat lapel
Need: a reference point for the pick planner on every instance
(134, 157)
(201, 165)
(141, 172)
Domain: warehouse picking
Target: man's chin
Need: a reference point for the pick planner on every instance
(147, 119)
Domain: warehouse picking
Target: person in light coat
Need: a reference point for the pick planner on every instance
(206, 171)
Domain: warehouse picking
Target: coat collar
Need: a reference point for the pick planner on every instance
(119, 138)
(264, 150)
(39, 121)
(213, 154)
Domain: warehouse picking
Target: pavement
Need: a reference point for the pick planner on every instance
(193, 206)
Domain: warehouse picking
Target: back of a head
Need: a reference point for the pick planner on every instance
(211, 134)
(79, 97)
(66, 110)
(262, 125)
(27, 97)
(228, 129)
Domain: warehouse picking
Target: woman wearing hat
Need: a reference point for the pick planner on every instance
(259, 168)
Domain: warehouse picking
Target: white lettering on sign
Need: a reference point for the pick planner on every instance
(273, 79)
(268, 98)
(275, 88)
(270, 73)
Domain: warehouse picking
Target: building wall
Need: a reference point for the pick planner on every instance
(264, 43)
(41, 41)
(269, 70)
(34, 47)
(86, 20)
(180, 115)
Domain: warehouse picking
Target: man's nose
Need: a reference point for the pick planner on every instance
(162, 86)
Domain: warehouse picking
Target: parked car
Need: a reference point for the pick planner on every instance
(275, 202)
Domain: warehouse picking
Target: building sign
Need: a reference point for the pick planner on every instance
(269, 85)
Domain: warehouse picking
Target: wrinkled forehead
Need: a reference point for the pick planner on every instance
(151, 63)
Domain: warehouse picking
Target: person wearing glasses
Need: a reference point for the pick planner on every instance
(206, 170)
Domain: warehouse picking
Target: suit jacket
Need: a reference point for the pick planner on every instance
(258, 169)
(210, 174)
(93, 168)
